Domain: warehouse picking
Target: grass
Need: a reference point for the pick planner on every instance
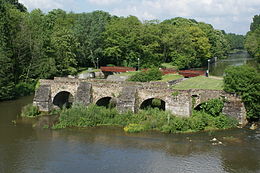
(169, 65)
(169, 77)
(200, 82)
(85, 70)
(150, 119)
(129, 73)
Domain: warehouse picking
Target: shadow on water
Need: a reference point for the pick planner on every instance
(110, 149)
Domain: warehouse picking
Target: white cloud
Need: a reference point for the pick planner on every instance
(104, 2)
(230, 15)
(43, 4)
(223, 14)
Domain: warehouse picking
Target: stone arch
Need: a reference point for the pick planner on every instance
(108, 102)
(63, 98)
(151, 102)
(195, 100)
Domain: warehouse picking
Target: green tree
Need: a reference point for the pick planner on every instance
(252, 41)
(122, 40)
(190, 47)
(88, 31)
(245, 81)
(150, 45)
(41, 65)
(235, 41)
(219, 43)
(256, 23)
(6, 76)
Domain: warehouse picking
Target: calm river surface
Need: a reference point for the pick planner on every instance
(235, 59)
(24, 149)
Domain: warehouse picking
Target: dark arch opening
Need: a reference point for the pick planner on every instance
(198, 107)
(63, 99)
(107, 102)
(153, 103)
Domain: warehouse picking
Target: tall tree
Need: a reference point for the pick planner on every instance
(252, 41)
(122, 43)
(88, 31)
(235, 41)
(256, 23)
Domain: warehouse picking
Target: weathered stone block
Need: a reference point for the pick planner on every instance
(84, 93)
(127, 100)
(42, 98)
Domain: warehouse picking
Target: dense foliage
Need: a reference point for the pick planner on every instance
(235, 41)
(252, 42)
(213, 107)
(30, 111)
(149, 119)
(152, 74)
(36, 45)
(245, 81)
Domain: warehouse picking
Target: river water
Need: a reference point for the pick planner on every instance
(24, 149)
(235, 59)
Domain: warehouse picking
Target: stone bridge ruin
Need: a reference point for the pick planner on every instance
(130, 96)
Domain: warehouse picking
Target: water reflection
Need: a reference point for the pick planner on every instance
(236, 59)
(107, 149)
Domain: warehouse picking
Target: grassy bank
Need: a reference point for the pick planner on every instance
(209, 117)
(200, 82)
(170, 77)
(150, 119)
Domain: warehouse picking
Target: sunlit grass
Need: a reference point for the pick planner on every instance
(86, 70)
(169, 65)
(170, 77)
(200, 82)
(129, 73)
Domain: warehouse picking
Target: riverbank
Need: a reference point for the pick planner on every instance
(110, 149)
(149, 119)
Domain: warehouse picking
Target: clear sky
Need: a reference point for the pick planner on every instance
(230, 15)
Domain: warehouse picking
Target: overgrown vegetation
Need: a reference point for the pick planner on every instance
(149, 119)
(213, 107)
(36, 45)
(152, 74)
(245, 81)
(30, 111)
(252, 41)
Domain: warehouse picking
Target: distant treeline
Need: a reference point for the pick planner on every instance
(35, 45)
(252, 42)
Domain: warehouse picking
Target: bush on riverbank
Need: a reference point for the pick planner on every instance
(245, 81)
(150, 119)
(152, 74)
(30, 111)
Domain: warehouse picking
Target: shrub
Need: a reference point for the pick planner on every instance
(156, 102)
(213, 107)
(179, 124)
(150, 119)
(146, 76)
(245, 81)
(30, 111)
(166, 129)
(225, 122)
(134, 128)
(24, 88)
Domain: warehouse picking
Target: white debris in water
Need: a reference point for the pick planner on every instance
(213, 140)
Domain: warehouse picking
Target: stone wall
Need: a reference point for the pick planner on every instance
(130, 95)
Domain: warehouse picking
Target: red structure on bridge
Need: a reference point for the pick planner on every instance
(117, 69)
(192, 73)
(185, 73)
